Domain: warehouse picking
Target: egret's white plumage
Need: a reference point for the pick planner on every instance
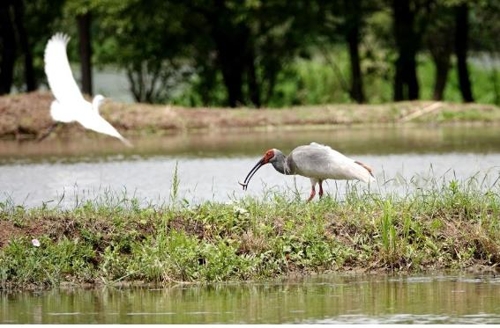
(317, 162)
(70, 105)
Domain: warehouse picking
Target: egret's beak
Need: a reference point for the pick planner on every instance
(105, 100)
(250, 174)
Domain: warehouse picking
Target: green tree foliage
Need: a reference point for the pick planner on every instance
(145, 38)
(243, 46)
(484, 39)
(24, 28)
(254, 52)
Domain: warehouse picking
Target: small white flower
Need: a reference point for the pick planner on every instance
(240, 211)
(35, 242)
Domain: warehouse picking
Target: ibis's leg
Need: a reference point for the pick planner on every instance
(320, 188)
(313, 189)
(49, 130)
(313, 193)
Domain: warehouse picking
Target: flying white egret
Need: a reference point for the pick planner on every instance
(70, 105)
(314, 161)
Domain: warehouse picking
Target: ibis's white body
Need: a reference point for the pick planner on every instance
(321, 162)
(70, 106)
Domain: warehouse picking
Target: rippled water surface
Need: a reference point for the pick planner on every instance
(209, 166)
(326, 299)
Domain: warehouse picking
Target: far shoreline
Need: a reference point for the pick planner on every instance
(26, 116)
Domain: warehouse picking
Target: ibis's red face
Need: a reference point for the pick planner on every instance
(268, 156)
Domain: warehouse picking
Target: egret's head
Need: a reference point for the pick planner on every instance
(98, 100)
(269, 157)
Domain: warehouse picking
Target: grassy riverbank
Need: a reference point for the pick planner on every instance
(115, 241)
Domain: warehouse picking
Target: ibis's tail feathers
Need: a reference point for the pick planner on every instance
(370, 176)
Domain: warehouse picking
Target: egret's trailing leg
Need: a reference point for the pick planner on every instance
(48, 131)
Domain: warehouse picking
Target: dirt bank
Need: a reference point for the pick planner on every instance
(25, 116)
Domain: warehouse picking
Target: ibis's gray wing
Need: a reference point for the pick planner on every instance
(323, 162)
(58, 71)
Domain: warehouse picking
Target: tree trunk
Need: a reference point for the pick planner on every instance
(231, 60)
(405, 80)
(231, 40)
(353, 11)
(441, 47)
(232, 72)
(442, 69)
(29, 72)
(209, 78)
(440, 42)
(83, 22)
(461, 45)
(253, 85)
(8, 56)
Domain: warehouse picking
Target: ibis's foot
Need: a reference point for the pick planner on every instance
(313, 193)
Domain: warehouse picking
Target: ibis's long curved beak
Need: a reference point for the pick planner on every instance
(250, 174)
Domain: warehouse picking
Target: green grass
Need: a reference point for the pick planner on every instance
(451, 226)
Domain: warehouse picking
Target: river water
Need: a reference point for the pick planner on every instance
(65, 173)
(326, 299)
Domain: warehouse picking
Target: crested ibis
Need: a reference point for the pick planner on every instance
(316, 162)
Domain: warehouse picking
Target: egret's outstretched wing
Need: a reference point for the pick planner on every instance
(99, 124)
(58, 71)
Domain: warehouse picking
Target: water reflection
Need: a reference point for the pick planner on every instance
(326, 299)
(350, 140)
